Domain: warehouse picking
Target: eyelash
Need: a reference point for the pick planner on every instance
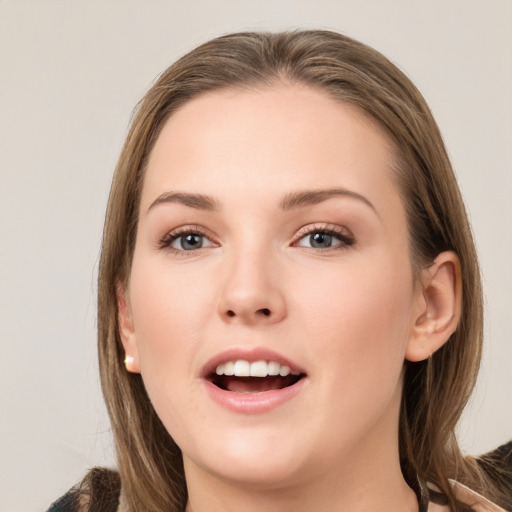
(343, 235)
(346, 240)
(167, 240)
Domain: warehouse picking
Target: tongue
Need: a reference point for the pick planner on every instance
(254, 384)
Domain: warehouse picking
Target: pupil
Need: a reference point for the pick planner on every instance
(191, 242)
(320, 240)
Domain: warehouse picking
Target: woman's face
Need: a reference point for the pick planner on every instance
(271, 232)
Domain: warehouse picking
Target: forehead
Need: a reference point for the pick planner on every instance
(269, 141)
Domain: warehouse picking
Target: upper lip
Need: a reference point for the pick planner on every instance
(248, 354)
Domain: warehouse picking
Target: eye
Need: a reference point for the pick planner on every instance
(324, 238)
(186, 240)
(189, 242)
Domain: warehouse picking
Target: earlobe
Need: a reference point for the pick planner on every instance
(439, 307)
(127, 332)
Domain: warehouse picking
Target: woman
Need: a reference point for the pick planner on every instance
(290, 310)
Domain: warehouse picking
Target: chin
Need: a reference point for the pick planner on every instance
(258, 475)
(251, 461)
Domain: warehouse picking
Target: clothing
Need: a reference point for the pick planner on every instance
(64, 504)
(477, 502)
(99, 489)
(106, 486)
(474, 501)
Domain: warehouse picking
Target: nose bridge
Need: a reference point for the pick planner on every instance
(251, 290)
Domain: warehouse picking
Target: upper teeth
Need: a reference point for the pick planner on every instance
(243, 368)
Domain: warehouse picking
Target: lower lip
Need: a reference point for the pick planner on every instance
(253, 403)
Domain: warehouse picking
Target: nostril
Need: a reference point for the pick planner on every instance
(262, 311)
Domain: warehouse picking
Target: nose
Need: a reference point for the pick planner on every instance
(252, 293)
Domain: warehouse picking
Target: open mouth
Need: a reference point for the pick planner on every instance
(257, 377)
(253, 384)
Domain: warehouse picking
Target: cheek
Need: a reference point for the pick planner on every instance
(170, 310)
(360, 317)
(357, 325)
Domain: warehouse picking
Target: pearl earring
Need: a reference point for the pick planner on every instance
(128, 360)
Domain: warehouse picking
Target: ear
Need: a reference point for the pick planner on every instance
(439, 305)
(127, 332)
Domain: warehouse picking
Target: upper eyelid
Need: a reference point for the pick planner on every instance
(187, 228)
(331, 228)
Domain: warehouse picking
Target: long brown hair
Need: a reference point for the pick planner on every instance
(435, 391)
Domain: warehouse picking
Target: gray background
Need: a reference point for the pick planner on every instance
(70, 74)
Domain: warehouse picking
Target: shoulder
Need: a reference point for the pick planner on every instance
(470, 500)
(98, 492)
(500, 457)
(477, 502)
(66, 503)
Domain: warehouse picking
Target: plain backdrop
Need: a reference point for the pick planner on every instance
(70, 74)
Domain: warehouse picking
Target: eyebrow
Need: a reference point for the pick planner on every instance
(312, 197)
(197, 201)
(289, 202)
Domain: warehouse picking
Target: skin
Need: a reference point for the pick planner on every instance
(349, 314)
